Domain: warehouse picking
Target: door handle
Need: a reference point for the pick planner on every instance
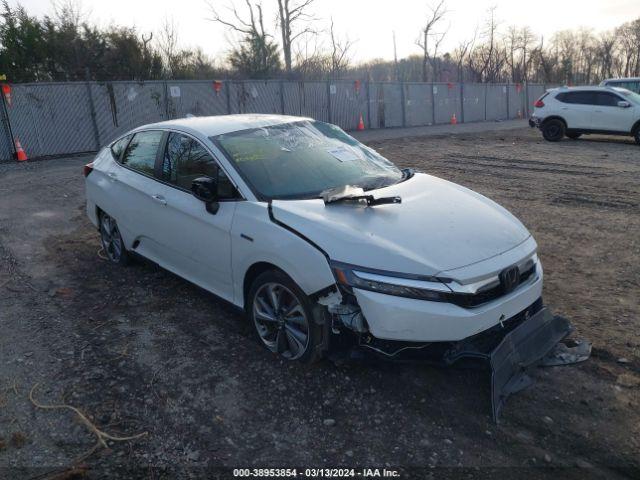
(112, 175)
(160, 199)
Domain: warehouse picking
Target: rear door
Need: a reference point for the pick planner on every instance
(133, 192)
(609, 116)
(577, 107)
(197, 243)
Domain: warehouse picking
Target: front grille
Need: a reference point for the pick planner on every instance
(470, 300)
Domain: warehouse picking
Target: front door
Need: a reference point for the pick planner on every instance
(197, 243)
(608, 116)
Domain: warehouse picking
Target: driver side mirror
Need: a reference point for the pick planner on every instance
(205, 189)
(624, 104)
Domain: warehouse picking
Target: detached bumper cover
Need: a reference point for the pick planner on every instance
(518, 351)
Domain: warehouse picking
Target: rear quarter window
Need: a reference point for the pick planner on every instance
(141, 152)
(118, 147)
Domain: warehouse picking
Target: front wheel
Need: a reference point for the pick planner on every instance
(637, 136)
(283, 317)
(553, 130)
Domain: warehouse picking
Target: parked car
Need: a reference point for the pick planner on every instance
(632, 83)
(576, 111)
(316, 236)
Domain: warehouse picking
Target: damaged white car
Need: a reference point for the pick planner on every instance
(319, 239)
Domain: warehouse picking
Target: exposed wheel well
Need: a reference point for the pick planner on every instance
(253, 272)
(555, 117)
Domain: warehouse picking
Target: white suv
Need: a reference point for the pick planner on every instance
(583, 110)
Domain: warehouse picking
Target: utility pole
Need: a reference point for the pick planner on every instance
(395, 57)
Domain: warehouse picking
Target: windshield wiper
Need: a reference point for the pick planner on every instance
(369, 199)
(407, 173)
(349, 193)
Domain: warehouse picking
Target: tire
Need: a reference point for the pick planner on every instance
(112, 242)
(295, 335)
(573, 136)
(636, 135)
(553, 130)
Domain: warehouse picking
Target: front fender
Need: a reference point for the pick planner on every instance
(258, 238)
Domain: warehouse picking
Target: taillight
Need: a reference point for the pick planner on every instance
(539, 104)
(87, 169)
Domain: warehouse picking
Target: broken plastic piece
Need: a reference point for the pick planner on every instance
(564, 354)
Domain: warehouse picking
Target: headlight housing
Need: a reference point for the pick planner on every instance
(411, 286)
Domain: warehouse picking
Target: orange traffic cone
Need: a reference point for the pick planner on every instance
(454, 120)
(21, 156)
(519, 114)
(361, 124)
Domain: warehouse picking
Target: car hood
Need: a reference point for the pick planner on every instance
(439, 226)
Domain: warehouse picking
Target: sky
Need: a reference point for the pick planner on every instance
(369, 23)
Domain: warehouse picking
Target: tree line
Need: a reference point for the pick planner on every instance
(66, 46)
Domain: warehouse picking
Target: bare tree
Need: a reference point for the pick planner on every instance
(340, 50)
(168, 45)
(429, 36)
(310, 58)
(292, 13)
(258, 54)
(461, 52)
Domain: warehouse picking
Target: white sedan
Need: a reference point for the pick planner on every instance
(315, 235)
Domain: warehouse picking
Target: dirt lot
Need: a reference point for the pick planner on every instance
(140, 350)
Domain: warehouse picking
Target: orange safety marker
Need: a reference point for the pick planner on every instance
(21, 156)
(6, 91)
(519, 114)
(361, 124)
(454, 120)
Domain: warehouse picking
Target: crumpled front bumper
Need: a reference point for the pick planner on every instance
(518, 351)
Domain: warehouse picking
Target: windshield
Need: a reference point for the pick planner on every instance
(303, 159)
(629, 94)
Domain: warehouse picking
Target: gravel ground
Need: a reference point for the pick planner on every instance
(140, 351)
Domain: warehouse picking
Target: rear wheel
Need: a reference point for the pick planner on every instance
(553, 130)
(573, 136)
(637, 135)
(283, 317)
(112, 243)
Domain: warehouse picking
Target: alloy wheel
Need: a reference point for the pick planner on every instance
(281, 321)
(111, 239)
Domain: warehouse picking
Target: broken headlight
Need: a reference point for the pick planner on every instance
(411, 286)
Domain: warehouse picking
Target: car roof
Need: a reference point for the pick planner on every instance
(591, 88)
(622, 79)
(220, 124)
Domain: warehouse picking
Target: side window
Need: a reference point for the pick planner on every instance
(118, 147)
(141, 153)
(185, 159)
(607, 99)
(632, 85)
(579, 98)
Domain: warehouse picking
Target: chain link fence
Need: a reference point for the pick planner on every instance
(52, 119)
